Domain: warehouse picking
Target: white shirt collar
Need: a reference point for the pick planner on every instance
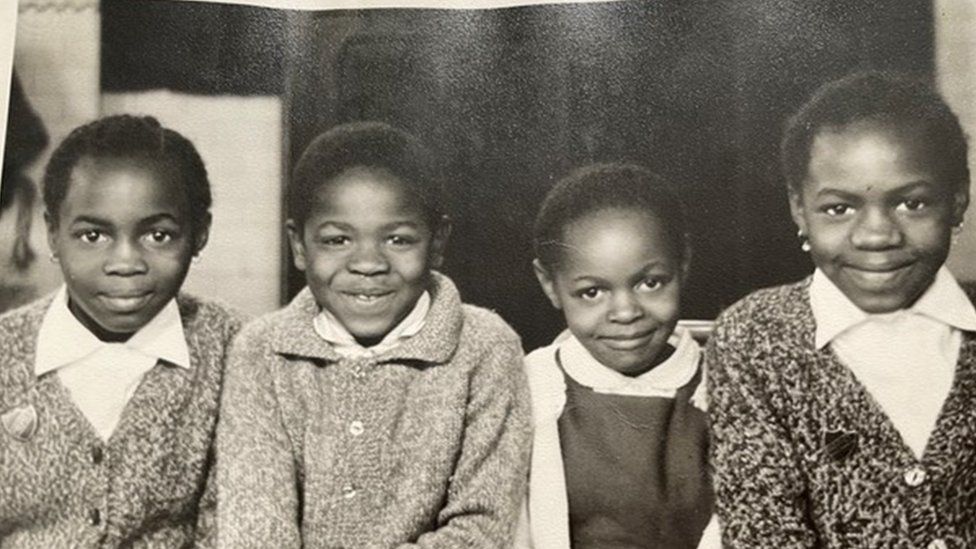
(63, 340)
(662, 380)
(330, 329)
(834, 313)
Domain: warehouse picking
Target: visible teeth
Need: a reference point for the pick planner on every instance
(365, 298)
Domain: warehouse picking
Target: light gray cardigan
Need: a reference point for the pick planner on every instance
(424, 445)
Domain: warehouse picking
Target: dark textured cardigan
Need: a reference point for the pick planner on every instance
(424, 445)
(804, 457)
(62, 486)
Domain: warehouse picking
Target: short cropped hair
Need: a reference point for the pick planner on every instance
(373, 145)
(132, 137)
(882, 97)
(602, 187)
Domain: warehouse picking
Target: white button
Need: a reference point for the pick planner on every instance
(915, 477)
(356, 428)
(938, 544)
(349, 491)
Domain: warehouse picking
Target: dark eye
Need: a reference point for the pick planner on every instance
(835, 210)
(590, 293)
(401, 240)
(338, 240)
(159, 236)
(651, 284)
(913, 204)
(91, 236)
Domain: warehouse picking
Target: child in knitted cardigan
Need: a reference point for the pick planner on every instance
(109, 389)
(375, 410)
(842, 405)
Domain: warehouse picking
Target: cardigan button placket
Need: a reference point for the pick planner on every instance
(914, 476)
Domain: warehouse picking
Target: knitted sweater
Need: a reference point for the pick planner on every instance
(804, 457)
(423, 445)
(61, 486)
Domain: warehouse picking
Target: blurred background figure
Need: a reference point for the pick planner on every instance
(27, 138)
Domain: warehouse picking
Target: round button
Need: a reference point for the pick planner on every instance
(937, 544)
(95, 517)
(97, 454)
(349, 491)
(356, 428)
(915, 476)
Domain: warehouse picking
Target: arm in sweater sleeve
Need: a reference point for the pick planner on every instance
(490, 476)
(759, 488)
(256, 477)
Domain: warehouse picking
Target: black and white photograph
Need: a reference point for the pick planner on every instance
(622, 274)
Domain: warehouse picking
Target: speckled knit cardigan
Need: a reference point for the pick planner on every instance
(804, 457)
(424, 445)
(61, 486)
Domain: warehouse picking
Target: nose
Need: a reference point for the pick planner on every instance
(876, 229)
(368, 260)
(125, 259)
(624, 308)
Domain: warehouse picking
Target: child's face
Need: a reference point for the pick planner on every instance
(367, 250)
(124, 243)
(877, 212)
(619, 286)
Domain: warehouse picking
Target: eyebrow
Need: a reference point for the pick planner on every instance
(348, 227)
(94, 220)
(638, 275)
(907, 187)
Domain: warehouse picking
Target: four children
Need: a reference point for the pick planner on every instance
(378, 410)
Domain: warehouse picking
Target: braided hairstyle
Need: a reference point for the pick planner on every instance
(130, 137)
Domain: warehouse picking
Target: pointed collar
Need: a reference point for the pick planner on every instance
(834, 313)
(662, 380)
(63, 340)
(435, 342)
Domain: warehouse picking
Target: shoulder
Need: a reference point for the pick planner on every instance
(486, 325)
(209, 317)
(24, 320)
(547, 386)
(765, 311)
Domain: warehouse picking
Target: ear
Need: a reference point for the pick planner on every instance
(203, 234)
(960, 203)
(52, 232)
(547, 282)
(797, 211)
(438, 242)
(297, 244)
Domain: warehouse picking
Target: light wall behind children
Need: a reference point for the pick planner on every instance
(59, 58)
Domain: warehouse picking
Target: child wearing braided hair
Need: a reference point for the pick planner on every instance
(109, 389)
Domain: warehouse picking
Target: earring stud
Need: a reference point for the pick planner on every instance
(53, 258)
(804, 241)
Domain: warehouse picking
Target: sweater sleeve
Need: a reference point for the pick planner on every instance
(256, 473)
(489, 479)
(759, 488)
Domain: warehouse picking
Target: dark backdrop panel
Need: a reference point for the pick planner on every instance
(513, 99)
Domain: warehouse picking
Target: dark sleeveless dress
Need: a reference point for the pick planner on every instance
(636, 469)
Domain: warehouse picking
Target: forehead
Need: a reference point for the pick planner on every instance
(117, 188)
(872, 155)
(366, 193)
(615, 239)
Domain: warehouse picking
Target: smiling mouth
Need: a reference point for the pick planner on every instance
(367, 298)
(628, 343)
(877, 277)
(125, 303)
